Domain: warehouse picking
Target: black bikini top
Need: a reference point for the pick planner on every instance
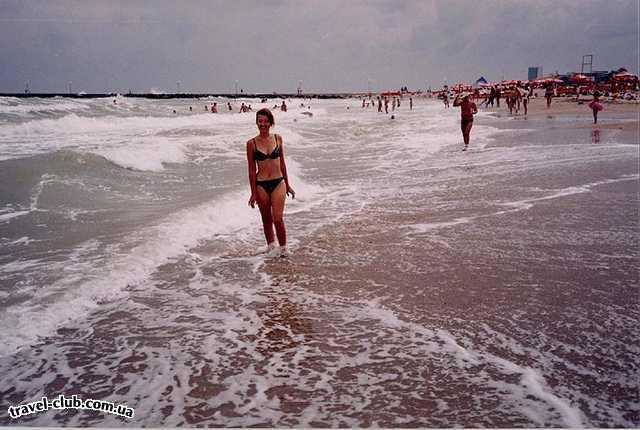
(261, 156)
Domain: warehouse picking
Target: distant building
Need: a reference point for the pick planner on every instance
(534, 73)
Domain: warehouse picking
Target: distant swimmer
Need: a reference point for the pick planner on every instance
(229, 106)
(214, 108)
(268, 180)
(283, 107)
(467, 110)
(410, 103)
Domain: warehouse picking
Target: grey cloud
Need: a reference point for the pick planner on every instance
(329, 45)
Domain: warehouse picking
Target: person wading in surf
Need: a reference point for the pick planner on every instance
(268, 180)
(467, 110)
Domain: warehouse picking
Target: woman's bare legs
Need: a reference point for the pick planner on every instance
(272, 213)
(466, 133)
(278, 197)
(264, 203)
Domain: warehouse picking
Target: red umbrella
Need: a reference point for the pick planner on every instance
(625, 76)
(581, 78)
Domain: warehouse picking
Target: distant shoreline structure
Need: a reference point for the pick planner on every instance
(188, 95)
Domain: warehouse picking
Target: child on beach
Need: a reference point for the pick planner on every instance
(467, 110)
(596, 106)
(268, 180)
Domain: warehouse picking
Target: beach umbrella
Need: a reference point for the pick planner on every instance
(625, 77)
(581, 78)
(549, 81)
(482, 82)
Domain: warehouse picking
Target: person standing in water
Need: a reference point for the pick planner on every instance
(467, 110)
(268, 180)
(595, 106)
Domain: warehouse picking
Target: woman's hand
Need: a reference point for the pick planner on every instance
(291, 192)
(252, 200)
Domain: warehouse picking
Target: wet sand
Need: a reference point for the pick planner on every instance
(556, 276)
(616, 114)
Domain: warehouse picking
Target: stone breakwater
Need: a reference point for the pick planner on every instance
(186, 95)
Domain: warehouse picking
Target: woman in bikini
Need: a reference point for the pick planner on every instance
(268, 180)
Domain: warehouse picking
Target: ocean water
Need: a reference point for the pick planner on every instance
(426, 286)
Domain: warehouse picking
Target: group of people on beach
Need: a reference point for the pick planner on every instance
(515, 96)
(268, 177)
(243, 107)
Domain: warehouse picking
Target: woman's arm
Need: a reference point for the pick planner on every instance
(252, 175)
(283, 169)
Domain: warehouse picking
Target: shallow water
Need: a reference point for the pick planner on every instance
(427, 286)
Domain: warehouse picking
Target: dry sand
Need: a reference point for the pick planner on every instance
(568, 107)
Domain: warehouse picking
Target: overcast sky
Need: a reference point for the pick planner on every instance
(329, 45)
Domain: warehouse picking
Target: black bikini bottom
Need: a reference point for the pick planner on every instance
(270, 184)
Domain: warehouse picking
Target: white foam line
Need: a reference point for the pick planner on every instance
(108, 281)
(519, 205)
(536, 384)
(527, 204)
(11, 215)
(530, 378)
(426, 227)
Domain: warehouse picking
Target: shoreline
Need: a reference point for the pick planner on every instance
(623, 116)
(272, 95)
